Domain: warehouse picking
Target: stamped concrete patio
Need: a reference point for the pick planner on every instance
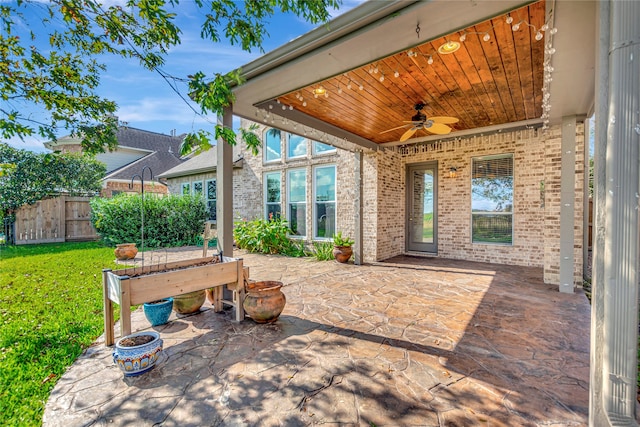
(409, 342)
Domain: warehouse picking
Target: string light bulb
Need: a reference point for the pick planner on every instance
(396, 74)
(509, 19)
(430, 60)
(486, 37)
(463, 37)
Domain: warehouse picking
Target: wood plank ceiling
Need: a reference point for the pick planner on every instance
(495, 77)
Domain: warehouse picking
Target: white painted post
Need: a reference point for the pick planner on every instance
(614, 326)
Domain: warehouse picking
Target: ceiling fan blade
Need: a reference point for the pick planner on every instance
(408, 134)
(396, 128)
(444, 119)
(438, 129)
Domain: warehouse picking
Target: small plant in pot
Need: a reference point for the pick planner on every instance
(342, 250)
(158, 312)
(137, 353)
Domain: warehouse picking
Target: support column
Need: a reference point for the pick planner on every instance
(615, 280)
(358, 208)
(567, 204)
(224, 187)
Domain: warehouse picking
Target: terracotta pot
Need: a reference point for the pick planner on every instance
(342, 253)
(264, 301)
(189, 303)
(135, 358)
(125, 251)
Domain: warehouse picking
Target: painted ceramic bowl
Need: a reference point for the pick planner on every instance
(137, 353)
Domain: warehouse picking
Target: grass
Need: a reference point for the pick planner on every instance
(50, 311)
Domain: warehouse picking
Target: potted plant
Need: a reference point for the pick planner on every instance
(342, 247)
(158, 312)
(137, 353)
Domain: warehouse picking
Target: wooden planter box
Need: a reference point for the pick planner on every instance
(134, 286)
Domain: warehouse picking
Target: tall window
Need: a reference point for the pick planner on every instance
(272, 195)
(297, 197)
(320, 148)
(325, 201)
(185, 188)
(492, 199)
(272, 146)
(296, 146)
(212, 196)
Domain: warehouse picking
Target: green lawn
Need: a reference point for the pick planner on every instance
(50, 310)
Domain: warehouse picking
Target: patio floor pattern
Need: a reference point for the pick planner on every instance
(408, 342)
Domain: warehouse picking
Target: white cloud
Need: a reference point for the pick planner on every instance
(34, 144)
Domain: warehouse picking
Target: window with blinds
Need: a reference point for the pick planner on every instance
(492, 199)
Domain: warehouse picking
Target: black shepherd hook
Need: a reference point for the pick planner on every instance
(141, 177)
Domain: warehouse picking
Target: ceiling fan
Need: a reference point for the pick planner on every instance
(419, 121)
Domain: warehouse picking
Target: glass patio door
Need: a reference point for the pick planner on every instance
(422, 205)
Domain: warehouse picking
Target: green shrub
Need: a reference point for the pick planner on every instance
(267, 237)
(322, 251)
(168, 221)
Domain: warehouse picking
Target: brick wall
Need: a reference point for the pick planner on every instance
(536, 236)
(111, 187)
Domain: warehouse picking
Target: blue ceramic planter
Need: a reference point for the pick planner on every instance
(135, 359)
(158, 313)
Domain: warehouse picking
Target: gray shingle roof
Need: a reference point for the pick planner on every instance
(202, 163)
(138, 138)
(158, 162)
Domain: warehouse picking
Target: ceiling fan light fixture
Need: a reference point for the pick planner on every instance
(449, 47)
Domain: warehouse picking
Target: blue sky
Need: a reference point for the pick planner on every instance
(146, 101)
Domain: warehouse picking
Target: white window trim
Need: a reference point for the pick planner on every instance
(182, 187)
(513, 196)
(193, 187)
(288, 141)
(264, 154)
(205, 194)
(314, 200)
(264, 193)
(324, 153)
(306, 201)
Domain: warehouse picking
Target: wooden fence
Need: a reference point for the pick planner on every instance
(61, 219)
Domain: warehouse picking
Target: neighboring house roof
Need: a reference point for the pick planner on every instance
(157, 161)
(202, 163)
(136, 149)
(129, 137)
